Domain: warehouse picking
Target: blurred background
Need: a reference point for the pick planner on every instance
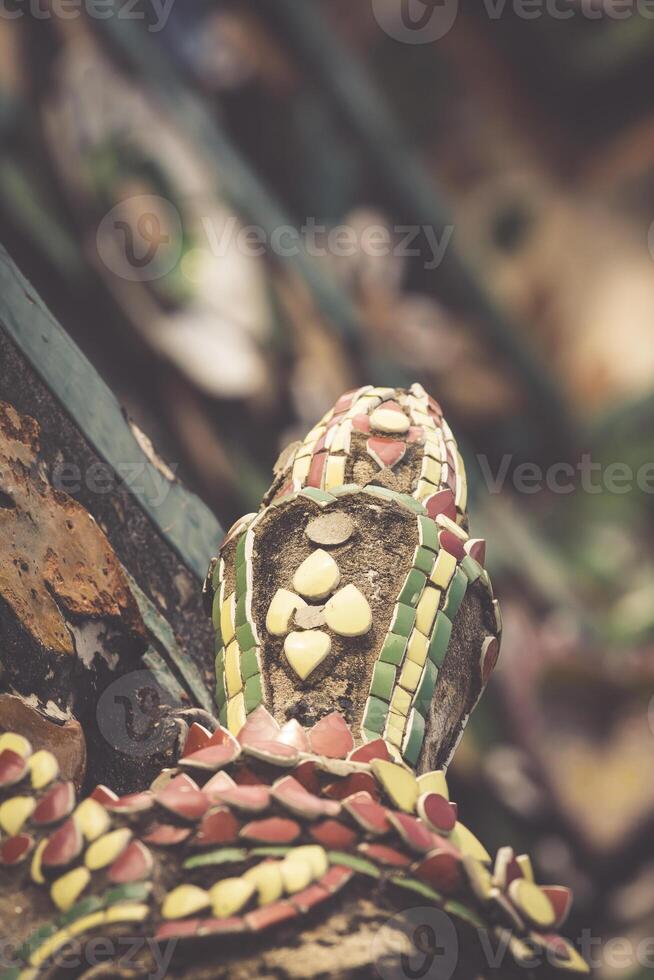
(241, 209)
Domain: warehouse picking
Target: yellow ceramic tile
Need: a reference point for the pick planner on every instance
(394, 736)
(43, 768)
(395, 722)
(424, 490)
(107, 848)
(296, 873)
(306, 650)
(449, 525)
(92, 819)
(14, 812)
(431, 470)
(341, 442)
(348, 613)
(49, 947)
(388, 420)
(410, 676)
(35, 867)
(443, 569)
(233, 679)
(227, 614)
(301, 468)
(185, 900)
(418, 645)
(127, 913)
(399, 784)
(230, 895)
(236, 713)
(316, 856)
(17, 743)
(401, 701)
(334, 472)
(314, 435)
(86, 923)
(66, 890)
(281, 610)
(524, 863)
(467, 843)
(532, 902)
(267, 879)
(434, 782)
(317, 576)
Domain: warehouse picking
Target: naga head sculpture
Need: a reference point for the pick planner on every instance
(357, 588)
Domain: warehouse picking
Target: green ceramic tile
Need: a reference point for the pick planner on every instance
(455, 593)
(347, 488)
(393, 649)
(222, 714)
(419, 887)
(356, 863)
(413, 587)
(253, 693)
(383, 681)
(320, 496)
(440, 639)
(428, 531)
(245, 636)
(471, 568)
(215, 578)
(136, 892)
(424, 560)
(80, 909)
(426, 688)
(414, 738)
(412, 504)
(240, 550)
(219, 663)
(250, 663)
(215, 612)
(35, 940)
(218, 643)
(382, 492)
(241, 579)
(240, 617)
(403, 619)
(224, 855)
(374, 716)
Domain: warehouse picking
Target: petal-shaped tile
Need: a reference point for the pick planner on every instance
(183, 901)
(43, 767)
(292, 795)
(184, 801)
(358, 782)
(376, 749)
(219, 782)
(16, 743)
(198, 736)
(333, 835)
(134, 864)
(276, 753)
(102, 794)
(532, 902)
(14, 812)
(386, 452)
(412, 831)
(433, 782)
(131, 803)
(92, 819)
(331, 737)
(218, 826)
(292, 733)
(57, 803)
(273, 830)
(398, 783)
(437, 812)
(281, 611)
(166, 835)
(296, 873)
(230, 895)
(260, 727)
(442, 870)
(13, 850)
(467, 843)
(441, 502)
(267, 879)
(317, 576)
(250, 799)
(561, 899)
(386, 419)
(107, 848)
(306, 651)
(348, 612)
(307, 774)
(369, 815)
(213, 757)
(13, 767)
(476, 548)
(66, 890)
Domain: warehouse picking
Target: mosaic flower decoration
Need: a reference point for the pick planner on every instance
(250, 832)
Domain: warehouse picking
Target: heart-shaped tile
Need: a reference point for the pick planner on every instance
(348, 613)
(306, 651)
(317, 576)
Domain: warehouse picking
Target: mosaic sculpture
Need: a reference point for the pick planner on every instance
(355, 630)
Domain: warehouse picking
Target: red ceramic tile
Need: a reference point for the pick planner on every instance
(222, 927)
(183, 801)
(165, 835)
(270, 915)
(415, 435)
(361, 423)
(104, 795)
(15, 849)
(316, 470)
(181, 781)
(336, 878)
(134, 864)
(369, 815)
(284, 490)
(132, 803)
(331, 737)
(218, 826)
(476, 548)
(386, 452)
(13, 767)
(292, 795)
(252, 799)
(259, 727)
(213, 757)
(182, 929)
(437, 812)
(57, 803)
(441, 870)
(345, 402)
(381, 854)
(244, 776)
(451, 543)
(307, 774)
(441, 502)
(377, 749)
(273, 830)
(434, 408)
(64, 846)
(293, 734)
(393, 406)
(561, 899)
(413, 832)
(333, 835)
(276, 753)
(218, 782)
(198, 736)
(309, 898)
(491, 654)
(358, 782)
